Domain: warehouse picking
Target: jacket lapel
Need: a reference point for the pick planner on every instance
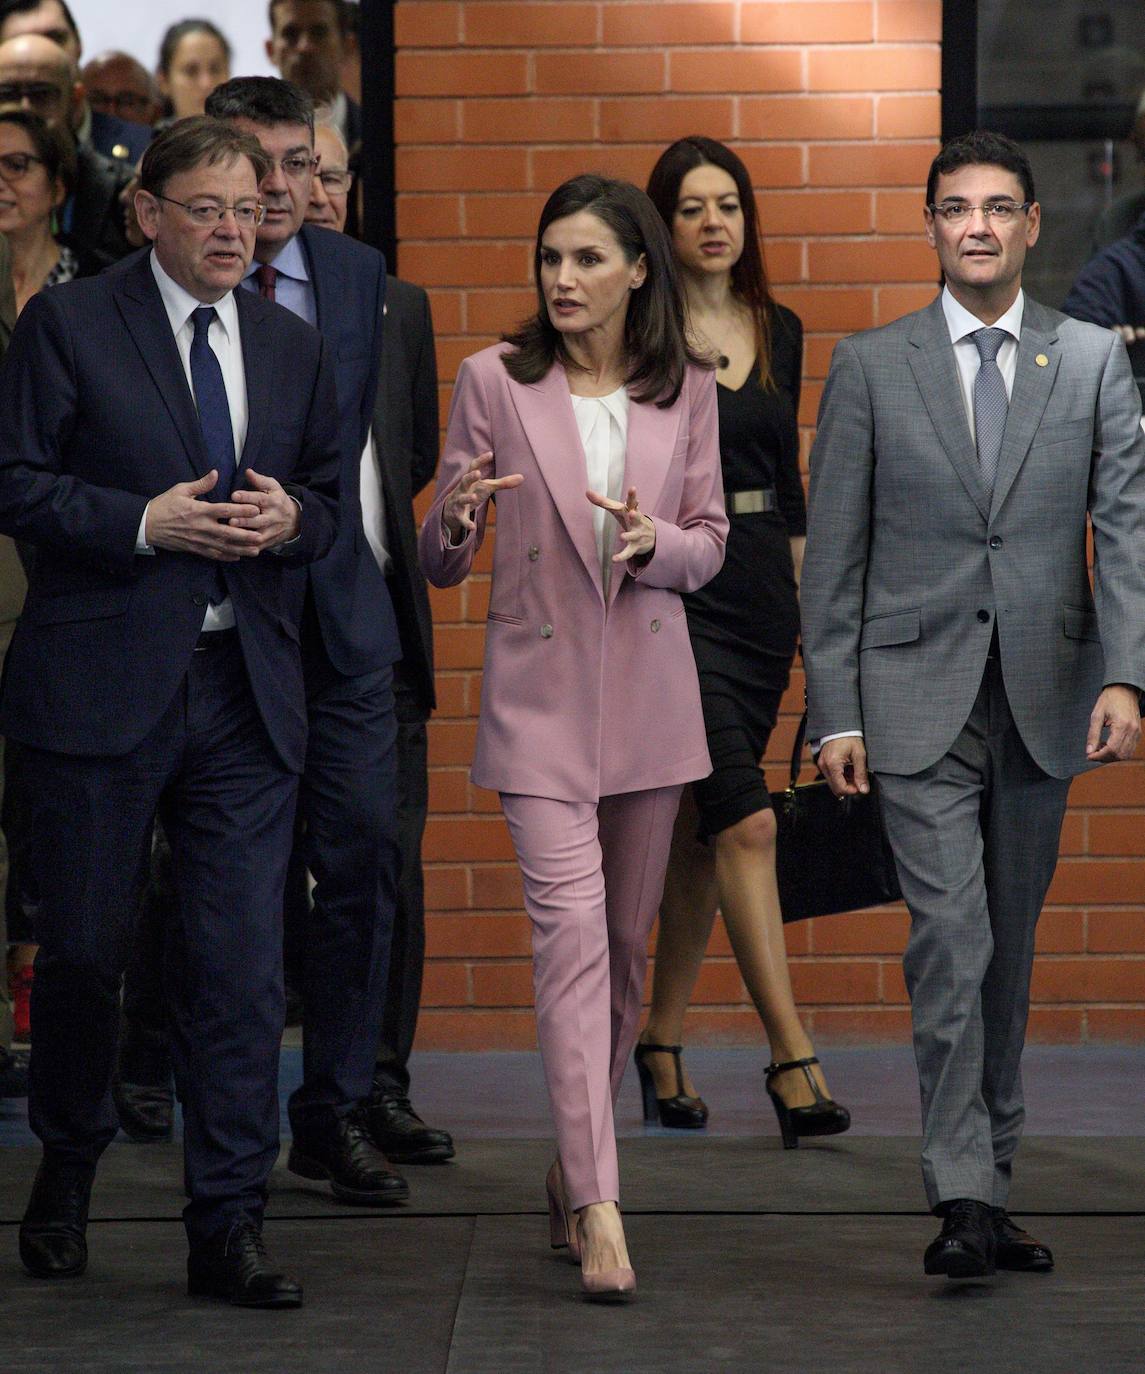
(648, 456)
(258, 366)
(145, 316)
(546, 414)
(931, 358)
(1033, 383)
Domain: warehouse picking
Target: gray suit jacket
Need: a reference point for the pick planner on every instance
(911, 562)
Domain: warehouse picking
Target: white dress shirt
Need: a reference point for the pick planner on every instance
(226, 344)
(962, 324)
(603, 425)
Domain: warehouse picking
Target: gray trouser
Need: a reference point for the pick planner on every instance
(975, 838)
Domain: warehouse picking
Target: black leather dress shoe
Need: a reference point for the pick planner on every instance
(235, 1267)
(401, 1134)
(964, 1248)
(340, 1149)
(146, 1112)
(1016, 1249)
(52, 1235)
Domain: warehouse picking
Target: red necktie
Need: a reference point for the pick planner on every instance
(267, 276)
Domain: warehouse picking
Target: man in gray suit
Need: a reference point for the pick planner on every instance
(954, 647)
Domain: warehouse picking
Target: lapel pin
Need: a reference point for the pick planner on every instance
(1042, 360)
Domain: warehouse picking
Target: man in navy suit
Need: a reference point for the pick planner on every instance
(168, 444)
(350, 642)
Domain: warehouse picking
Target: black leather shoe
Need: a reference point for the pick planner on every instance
(340, 1149)
(679, 1112)
(146, 1112)
(1016, 1249)
(52, 1240)
(400, 1133)
(964, 1248)
(235, 1267)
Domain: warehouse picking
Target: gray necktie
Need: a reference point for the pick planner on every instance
(990, 402)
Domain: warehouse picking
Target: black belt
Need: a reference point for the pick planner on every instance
(751, 502)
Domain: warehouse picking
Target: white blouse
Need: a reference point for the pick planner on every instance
(603, 425)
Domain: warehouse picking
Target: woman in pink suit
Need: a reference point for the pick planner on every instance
(595, 425)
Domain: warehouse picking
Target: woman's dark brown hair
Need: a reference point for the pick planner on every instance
(749, 276)
(53, 147)
(655, 343)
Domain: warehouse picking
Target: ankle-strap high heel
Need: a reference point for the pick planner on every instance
(680, 1112)
(562, 1223)
(824, 1117)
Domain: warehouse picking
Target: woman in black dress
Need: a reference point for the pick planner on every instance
(744, 627)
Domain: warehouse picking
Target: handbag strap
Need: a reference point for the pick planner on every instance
(797, 752)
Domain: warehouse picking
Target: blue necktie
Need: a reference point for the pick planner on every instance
(990, 402)
(213, 406)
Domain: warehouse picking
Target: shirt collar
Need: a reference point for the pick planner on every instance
(961, 322)
(290, 262)
(181, 305)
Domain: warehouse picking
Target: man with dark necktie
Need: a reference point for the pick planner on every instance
(168, 445)
(955, 648)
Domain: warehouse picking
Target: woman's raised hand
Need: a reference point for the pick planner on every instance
(637, 530)
(471, 493)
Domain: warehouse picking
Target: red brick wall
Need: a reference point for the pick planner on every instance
(834, 106)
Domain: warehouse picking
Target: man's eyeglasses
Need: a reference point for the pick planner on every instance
(334, 181)
(996, 211)
(123, 103)
(16, 166)
(206, 213)
(296, 166)
(32, 95)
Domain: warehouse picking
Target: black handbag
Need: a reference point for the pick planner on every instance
(830, 855)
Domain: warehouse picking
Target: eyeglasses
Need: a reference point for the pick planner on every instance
(16, 166)
(296, 166)
(335, 182)
(32, 95)
(996, 211)
(125, 103)
(206, 214)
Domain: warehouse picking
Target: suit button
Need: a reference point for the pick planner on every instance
(546, 632)
(655, 627)
(984, 617)
(534, 553)
(198, 599)
(995, 541)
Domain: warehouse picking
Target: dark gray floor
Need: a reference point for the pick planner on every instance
(749, 1258)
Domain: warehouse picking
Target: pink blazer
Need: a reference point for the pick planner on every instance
(582, 699)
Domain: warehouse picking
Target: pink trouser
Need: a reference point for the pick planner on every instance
(593, 876)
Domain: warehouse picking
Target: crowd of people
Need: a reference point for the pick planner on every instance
(216, 690)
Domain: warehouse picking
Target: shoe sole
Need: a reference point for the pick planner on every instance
(959, 1266)
(434, 1154)
(53, 1273)
(313, 1169)
(203, 1289)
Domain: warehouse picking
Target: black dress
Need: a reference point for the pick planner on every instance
(744, 624)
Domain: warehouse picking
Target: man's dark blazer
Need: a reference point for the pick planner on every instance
(350, 594)
(96, 417)
(109, 132)
(406, 430)
(93, 216)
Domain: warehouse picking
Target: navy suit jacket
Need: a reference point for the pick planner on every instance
(407, 433)
(351, 598)
(96, 417)
(109, 132)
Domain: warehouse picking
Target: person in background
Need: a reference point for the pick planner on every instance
(38, 75)
(13, 585)
(307, 45)
(1110, 291)
(406, 431)
(595, 425)
(117, 138)
(118, 84)
(194, 58)
(744, 626)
